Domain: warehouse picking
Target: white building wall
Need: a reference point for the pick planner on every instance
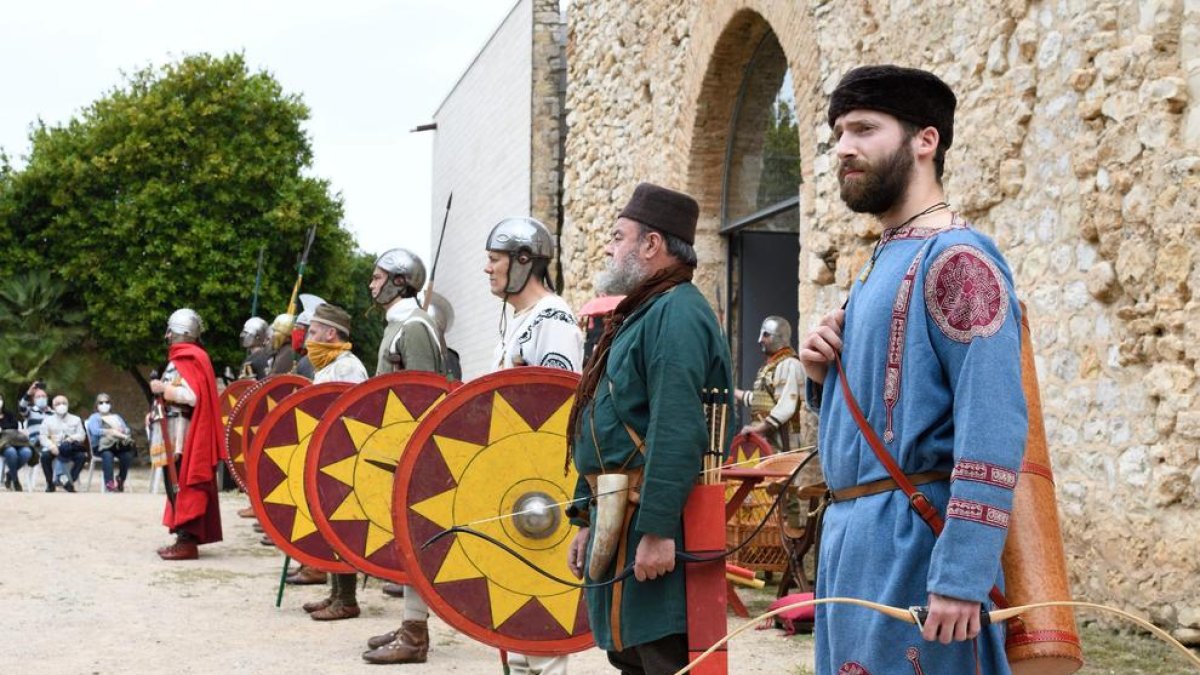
(481, 153)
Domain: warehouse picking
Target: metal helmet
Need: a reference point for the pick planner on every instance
(281, 330)
(184, 323)
(778, 333)
(529, 246)
(310, 303)
(441, 311)
(255, 333)
(405, 275)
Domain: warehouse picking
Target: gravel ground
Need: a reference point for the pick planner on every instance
(84, 592)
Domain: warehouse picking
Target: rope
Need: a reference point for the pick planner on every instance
(907, 616)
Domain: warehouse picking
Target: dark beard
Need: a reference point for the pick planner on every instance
(879, 188)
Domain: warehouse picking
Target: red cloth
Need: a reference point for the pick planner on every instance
(196, 499)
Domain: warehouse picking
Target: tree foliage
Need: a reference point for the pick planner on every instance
(40, 335)
(159, 196)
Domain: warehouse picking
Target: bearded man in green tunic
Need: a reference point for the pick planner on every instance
(639, 411)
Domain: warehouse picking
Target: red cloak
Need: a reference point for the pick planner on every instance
(196, 510)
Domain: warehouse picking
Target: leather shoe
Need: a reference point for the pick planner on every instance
(381, 640)
(410, 646)
(336, 611)
(266, 541)
(258, 527)
(307, 576)
(316, 605)
(394, 590)
(247, 512)
(180, 550)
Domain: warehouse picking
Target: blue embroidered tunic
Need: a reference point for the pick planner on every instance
(932, 354)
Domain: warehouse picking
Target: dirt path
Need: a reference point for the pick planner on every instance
(83, 592)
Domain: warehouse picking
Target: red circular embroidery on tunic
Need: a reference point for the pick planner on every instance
(965, 295)
(852, 668)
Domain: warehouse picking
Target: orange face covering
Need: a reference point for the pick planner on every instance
(323, 353)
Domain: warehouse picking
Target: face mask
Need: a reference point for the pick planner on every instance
(61, 408)
(40, 401)
(104, 407)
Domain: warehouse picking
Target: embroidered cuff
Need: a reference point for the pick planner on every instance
(982, 472)
(992, 516)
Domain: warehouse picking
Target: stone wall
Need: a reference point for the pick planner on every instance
(1077, 147)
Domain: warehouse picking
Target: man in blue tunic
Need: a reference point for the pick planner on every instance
(930, 345)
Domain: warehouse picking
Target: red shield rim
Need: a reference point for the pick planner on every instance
(282, 438)
(342, 482)
(233, 432)
(438, 468)
(743, 447)
(262, 401)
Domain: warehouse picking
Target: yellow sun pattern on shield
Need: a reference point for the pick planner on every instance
(371, 471)
(290, 459)
(745, 455)
(513, 449)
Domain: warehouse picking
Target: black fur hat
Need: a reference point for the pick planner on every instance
(909, 94)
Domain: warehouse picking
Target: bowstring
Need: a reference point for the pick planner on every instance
(570, 502)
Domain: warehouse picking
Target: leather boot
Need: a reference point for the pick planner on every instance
(336, 611)
(316, 605)
(410, 646)
(180, 550)
(394, 590)
(381, 640)
(307, 576)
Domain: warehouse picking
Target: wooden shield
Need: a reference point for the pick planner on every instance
(261, 402)
(275, 476)
(235, 462)
(746, 450)
(493, 448)
(352, 463)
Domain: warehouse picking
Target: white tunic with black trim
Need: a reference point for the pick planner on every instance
(545, 334)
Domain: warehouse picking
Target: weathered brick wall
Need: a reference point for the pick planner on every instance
(1076, 147)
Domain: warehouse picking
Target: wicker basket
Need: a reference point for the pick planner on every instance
(766, 552)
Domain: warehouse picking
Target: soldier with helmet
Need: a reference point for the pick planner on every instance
(442, 312)
(304, 366)
(774, 402)
(411, 341)
(283, 359)
(543, 333)
(543, 330)
(255, 339)
(188, 387)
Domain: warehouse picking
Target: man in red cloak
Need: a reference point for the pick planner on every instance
(193, 421)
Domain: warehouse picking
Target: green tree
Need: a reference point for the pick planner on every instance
(781, 156)
(40, 334)
(159, 196)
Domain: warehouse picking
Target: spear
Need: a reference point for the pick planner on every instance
(312, 234)
(257, 281)
(437, 254)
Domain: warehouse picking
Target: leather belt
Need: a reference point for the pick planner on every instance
(885, 485)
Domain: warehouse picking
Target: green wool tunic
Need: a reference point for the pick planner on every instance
(668, 351)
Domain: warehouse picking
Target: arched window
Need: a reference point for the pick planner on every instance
(760, 204)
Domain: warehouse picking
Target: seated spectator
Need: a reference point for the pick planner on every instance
(111, 438)
(34, 406)
(62, 437)
(15, 447)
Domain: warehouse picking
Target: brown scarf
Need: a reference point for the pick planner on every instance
(657, 283)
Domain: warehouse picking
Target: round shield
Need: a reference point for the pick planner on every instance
(491, 457)
(275, 476)
(260, 402)
(746, 450)
(352, 463)
(233, 430)
(231, 394)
